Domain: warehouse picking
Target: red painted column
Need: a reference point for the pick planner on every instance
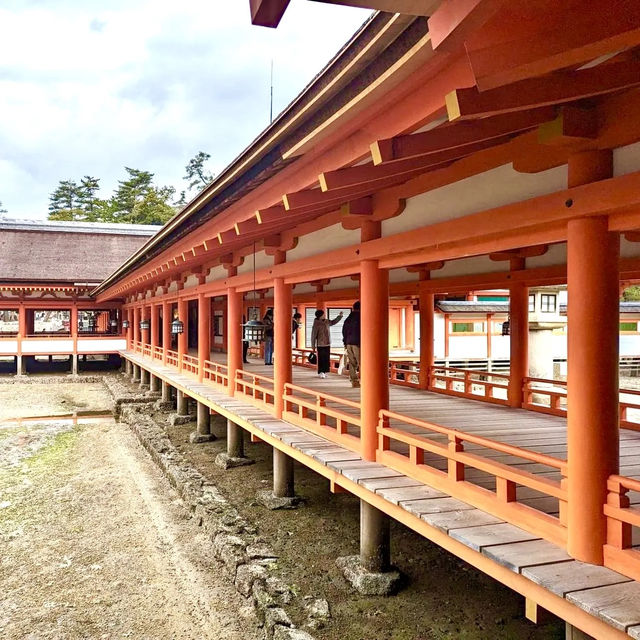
(166, 330)
(426, 303)
(204, 324)
(136, 324)
(592, 380)
(130, 328)
(518, 340)
(374, 352)
(234, 341)
(183, 315)
(144, 315)
(155, 318)
(282, 374)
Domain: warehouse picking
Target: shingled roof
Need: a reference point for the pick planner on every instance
(69, 252)
(466, 306)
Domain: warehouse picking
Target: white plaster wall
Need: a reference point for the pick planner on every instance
(487, 190)
(263, 261)
(47, 346)
(9, 346)
(191, 281)
(438, 335)
(500, 347)
(467, 346)
(101, 346)
(334, 237)
(216, 273)
(626, 159)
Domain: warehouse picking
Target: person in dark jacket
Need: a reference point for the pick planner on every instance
(267, 321)
(351, 339)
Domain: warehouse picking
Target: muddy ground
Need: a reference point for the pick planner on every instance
(95, 544)
(444, 598)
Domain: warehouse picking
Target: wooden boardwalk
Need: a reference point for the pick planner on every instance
(528, 564)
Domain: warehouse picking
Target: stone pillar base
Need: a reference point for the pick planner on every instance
(199, 438)
(369, 583)
(268, 499)
(164, 405)
(176, 419)
(226, 461)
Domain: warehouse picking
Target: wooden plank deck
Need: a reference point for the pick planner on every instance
(610, 597)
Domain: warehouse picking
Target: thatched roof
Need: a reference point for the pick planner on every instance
(70, 252)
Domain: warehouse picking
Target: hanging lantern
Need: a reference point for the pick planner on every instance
(253, 331)
(144, 324)
(177, 326)
(506, 328)
(125, 324)
(113, 323)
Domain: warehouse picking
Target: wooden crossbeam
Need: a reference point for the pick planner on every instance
(267, 13)
(529, 39)
(410, 7)
(359, 207)
(561, 87)
(454, 20)
(524, 252)
(573, 124)
(454, 136)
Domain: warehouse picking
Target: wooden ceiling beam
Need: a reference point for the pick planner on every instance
(359, 207)
(454, 136)
(572, 125)
(454, 20)
(530, 39)
(409, 7)
(267, 13)
(524, 252)
(561, 87)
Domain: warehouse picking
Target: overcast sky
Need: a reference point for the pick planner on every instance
(86, 90)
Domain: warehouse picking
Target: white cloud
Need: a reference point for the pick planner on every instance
(144, 83)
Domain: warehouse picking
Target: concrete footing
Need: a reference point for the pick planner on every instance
(234, 456)
(573, 633)
(268, 499)
(283, 495)
(369, 583)
(176, 419)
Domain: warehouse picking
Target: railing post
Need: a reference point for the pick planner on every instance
(455, 469)
(618, 532)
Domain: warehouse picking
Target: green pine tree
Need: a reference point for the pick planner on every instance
(197, 174)
(64, 202)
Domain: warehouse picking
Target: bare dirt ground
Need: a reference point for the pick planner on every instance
(94, 543)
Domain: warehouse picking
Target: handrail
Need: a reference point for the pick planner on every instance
(157, 352)
(328, 422)
(190, 364)
(172, 358)
(216, 372)
(501, 503)
(622, 517)
(472, 382)
(247, 383)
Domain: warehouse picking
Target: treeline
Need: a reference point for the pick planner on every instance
(136, 200)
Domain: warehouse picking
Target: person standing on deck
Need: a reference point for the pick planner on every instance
(267, 321)
(321, 340)
(351, 338)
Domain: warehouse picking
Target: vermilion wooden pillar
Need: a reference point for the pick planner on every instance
(234, 342)
(592, 381)
(183, 338)
(129, 328)
(136, 324)
(518, 341)
(426, 303)
(155, 318)
(282, 341)
(374, 352)
(166, 330)
(145, 315)
(204, 323)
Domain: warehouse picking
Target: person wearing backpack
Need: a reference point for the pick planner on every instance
(351, 339)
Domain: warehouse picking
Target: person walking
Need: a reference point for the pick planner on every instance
(321, 340)
(267, 321)
(351, 339)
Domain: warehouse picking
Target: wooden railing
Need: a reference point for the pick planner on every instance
(136, 346)
(146, 350)
(190, 364)
(158, 352)
(550, 396)
(404, 372)
(300, 358)
(216, 373)
(477, 385)
(420, 457)
(172, 358)
(256, 388)
(622, 517)
(308, 408)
